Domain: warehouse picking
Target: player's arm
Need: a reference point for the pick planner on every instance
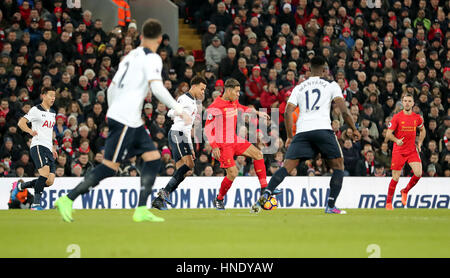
(391, 137)
(390, 132)
(171, 113)
(23, 125)
(55, 146)
(340, 102)
(422, 134)
(153, 74)
(251, 110)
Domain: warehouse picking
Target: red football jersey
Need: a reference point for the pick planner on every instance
(405, 126)
(221, 121)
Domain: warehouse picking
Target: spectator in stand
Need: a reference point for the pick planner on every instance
(214, 54)
(254, 87)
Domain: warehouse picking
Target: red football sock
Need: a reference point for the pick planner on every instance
(260, 169)
(413, 181)
(226, 184)
(391, 190)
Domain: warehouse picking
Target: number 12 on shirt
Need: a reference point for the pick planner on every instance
(314, 107)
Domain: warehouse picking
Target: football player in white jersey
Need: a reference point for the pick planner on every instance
(127, 135)
(42, 151)
(314, 134)
(180, 141)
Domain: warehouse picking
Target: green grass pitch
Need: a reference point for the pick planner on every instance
(233, 233)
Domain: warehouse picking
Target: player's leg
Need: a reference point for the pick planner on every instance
(51, 176)
(184, 163)
(416, 166)
(328, 145)
(183, 166)
(50, 180)
(227, 182)
(116, 144)
(152, 164)
(275, 180)
(299, 148)
(143, 145)
(92, 179)
(39, 187)
(259, 164)
(337, 164)
(398, 160)
(391, 190)
(38, 161)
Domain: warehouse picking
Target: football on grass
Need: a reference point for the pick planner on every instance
(271, 203)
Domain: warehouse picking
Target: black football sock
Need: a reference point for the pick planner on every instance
(38, 189)
(28, 184)
(335, 186)
(149, 172)
(276, 179)
(91, 180)
(177, 178)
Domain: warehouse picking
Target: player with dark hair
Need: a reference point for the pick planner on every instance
(127, 136)
(402, 131)
(42, 151)
(314, 133)
(220, 129)
(180, 141)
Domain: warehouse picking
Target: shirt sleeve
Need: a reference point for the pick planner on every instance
(335, 90)
(393, 123)
(420, 121)
(153, 67)
(31, 115)
(294, 98)
(243, 107)
(211, 114)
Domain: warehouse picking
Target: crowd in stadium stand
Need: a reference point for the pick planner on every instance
(375, 54)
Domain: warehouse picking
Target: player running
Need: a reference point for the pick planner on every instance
(127, 135)
(42, 151)
(220, 129)
(314, 134)
(402, 131)
(180, 140)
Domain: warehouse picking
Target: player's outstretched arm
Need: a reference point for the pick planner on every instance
(22, 124)
(340, 102)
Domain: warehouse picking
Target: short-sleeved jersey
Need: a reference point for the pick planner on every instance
(190, 107)
(130, 86)
(221, 121)
(42, 121)
(405, 126)
(313, 97)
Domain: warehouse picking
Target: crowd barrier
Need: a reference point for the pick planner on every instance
(199, 192)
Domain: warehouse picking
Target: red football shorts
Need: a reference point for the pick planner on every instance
(229, 151)
(399, 160)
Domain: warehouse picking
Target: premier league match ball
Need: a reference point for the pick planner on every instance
(270, 204)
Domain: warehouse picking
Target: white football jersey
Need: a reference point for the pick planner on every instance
(190, 107)
(313, 97)
(42, 121)
(130, 86)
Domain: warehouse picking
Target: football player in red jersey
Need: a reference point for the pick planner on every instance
(402, 131)
(220, 129)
